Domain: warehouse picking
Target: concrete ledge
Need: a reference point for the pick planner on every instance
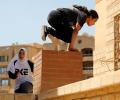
(24, 97)
(6, 96)
(17, 96)
(93, 87)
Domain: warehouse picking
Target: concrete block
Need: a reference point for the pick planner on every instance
(69, 98)
(68, 88)
(85, 85)
(24, 97)
(76, 87)
(95, 82)
(117, 76)
(108, 97)
(61, 90)
(6, 96)
(96, 98)
(107, 79)
(117, 96)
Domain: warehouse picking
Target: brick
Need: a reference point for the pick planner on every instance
(60, 68)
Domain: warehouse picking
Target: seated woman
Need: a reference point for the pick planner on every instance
(21, 69)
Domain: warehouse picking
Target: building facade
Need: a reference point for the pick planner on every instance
(107, 55)
(6, 54)
(85, 44)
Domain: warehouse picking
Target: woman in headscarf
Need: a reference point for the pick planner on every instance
(21, 69)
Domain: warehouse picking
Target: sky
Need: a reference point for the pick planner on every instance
(21, 20)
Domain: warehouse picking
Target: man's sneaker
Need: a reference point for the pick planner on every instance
(44, 32)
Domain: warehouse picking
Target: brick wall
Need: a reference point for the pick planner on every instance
(37, 59)
(60, 68)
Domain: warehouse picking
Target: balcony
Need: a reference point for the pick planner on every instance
(87, 58)
(4, 63)
(88, 72)
(4, 76)
(4, 89)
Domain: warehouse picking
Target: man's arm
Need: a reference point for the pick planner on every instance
(74, 37)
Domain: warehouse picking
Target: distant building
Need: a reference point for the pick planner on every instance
(85, 44)
(6, 54)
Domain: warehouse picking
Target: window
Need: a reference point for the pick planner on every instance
(4, 82)
(116, 41)
(88, 65)
(79, 41)
(3, 58)
(87, 52)
(3, 70)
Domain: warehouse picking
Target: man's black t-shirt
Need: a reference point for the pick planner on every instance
(71, 17)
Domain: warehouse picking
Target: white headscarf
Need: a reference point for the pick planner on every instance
(16, 57)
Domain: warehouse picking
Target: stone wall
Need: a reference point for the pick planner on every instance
(104, 37)
(104, 87)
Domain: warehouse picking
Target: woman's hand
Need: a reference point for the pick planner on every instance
(73, 49)
(77, 27)
(17, 72)
(74, 37)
